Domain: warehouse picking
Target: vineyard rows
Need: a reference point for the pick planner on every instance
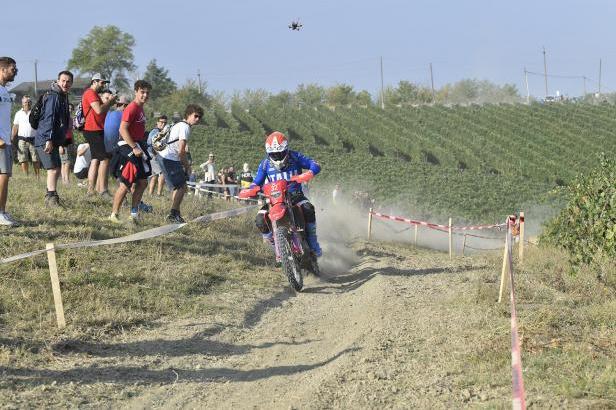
(472, 162)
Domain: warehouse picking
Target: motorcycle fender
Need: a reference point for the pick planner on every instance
(277, 212)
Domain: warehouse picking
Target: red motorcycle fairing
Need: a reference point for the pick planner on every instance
(277, 212)
(275, 191)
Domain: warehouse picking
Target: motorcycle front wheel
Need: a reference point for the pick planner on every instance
(290, 266)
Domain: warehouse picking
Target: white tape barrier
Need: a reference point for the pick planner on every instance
(201, 188)
(204, 185)
(139, 236)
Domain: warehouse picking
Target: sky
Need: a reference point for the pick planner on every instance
(243, 44)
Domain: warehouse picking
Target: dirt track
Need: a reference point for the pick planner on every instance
(377, 335)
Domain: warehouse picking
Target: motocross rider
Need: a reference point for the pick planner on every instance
(281, 163)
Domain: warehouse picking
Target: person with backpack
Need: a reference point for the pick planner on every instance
(157, 177)
(173, 159)
(94, 112)
(51, 120)
(8, 71)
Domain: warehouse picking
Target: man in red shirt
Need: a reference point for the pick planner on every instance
(131, 163)
(95, 111)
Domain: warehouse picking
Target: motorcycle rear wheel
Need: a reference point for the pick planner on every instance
(290, 266)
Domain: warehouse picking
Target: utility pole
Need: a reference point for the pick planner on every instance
(35, 79)
(599, 92)
(432, 83)
(584, 78)
(545, 72)
(382, 87)
(527, 90)
(199, 79)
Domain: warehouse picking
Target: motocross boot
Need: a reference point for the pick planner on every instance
(311, 237)
(269, 238)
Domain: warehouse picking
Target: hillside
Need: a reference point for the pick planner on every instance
(476, 163)
(203, 318)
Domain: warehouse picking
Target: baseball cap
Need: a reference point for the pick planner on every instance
(99, 77)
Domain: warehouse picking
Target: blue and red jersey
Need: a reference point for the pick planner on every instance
(296, 163)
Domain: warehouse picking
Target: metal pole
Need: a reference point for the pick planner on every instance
(199, 79)
(527, 90)
(545, 72)
(432, 83)
(599, 78)
(382, 87)
(35, 79)
(584, 77)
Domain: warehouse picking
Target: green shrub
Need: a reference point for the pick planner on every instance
(586, 227)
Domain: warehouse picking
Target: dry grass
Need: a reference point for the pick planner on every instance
(567, 324)
(116, 288)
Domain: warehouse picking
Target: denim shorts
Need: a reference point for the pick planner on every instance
(175, 177)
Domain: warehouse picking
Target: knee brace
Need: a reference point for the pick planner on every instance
(309, 213)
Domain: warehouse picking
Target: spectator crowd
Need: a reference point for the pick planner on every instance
(112, 143)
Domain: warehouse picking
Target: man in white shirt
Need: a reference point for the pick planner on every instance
(24, 134)
(8, 71)
(82, 162)
(174, 162)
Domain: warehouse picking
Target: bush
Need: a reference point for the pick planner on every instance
(587, 226)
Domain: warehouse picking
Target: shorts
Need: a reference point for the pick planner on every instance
(70, 153)
(96, 139)
(83, 174)
(26, 152)
(6, 160)
(127, 173)
(156, 169)
(51, 160)
(175, 176)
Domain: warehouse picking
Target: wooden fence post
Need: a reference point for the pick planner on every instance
(505, 264)
(369, 223)
(463, 244)
(415, 240)
(450, 241)
(55, 285)
(521, 242)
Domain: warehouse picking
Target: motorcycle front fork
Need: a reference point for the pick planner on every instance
(296, 244)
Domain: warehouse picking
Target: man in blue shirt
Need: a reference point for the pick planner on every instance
(112, 125)
(281, 163)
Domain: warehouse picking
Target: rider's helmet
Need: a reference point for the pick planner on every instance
(277, 148)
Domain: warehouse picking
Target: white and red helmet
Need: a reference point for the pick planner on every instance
(277, 148)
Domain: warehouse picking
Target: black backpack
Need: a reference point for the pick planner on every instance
(35, 114)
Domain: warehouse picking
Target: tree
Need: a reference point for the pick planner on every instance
(311, 94)
(106, 50)
(340, 95)
(162, 85)
(364, 98)
(189, 93)
(410, 93)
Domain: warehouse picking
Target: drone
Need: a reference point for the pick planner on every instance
(296, 25)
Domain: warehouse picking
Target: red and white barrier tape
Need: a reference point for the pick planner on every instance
(437, 226)
(519, 401)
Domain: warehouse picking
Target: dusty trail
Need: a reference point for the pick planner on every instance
(393, 331)
(377, 335)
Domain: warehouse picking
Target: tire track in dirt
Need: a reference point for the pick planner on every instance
(377, 335)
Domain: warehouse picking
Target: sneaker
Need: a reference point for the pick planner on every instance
(52, 200)
(175, 218)
(145, 208)
(7, 220)
(106, 196)
(134, 218)
(114, 218)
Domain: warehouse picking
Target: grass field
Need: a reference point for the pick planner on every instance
(146, 295)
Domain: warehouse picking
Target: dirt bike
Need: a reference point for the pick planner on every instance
(290, 242)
